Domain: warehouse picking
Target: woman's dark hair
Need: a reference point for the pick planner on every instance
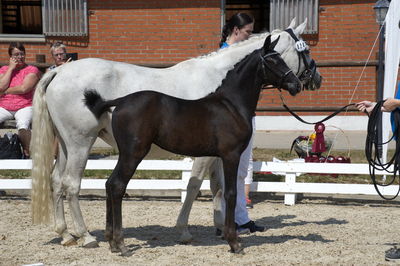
(238, 20)
(17, 45)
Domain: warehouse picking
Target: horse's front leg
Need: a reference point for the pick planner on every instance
(201, 166)
(230, 171)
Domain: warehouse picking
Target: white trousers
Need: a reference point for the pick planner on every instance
(245, 175)
(23, 116)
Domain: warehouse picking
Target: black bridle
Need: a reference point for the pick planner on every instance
(282, 75)
(302, 51)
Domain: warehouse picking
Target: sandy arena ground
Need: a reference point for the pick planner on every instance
(313, 232)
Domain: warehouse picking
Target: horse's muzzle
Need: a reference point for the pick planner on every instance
(293, 88)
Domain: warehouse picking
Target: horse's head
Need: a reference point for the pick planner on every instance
(276, 72)
(297, 56)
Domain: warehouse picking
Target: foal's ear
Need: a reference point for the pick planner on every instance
(274, 43)
(268, 46)
(267, 43)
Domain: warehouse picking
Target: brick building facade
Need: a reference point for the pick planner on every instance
(167, 32)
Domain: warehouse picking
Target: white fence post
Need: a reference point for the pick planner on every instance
(290, 180)
(185, 182)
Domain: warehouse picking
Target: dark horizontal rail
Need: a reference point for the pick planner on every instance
(305, 109)
(347, 63)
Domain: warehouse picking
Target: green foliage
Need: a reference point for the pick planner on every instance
(15, 174)
(140, 174)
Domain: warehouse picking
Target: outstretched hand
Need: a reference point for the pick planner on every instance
(389, 105)
(365, 106)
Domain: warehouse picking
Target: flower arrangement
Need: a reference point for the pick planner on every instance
(302, 145)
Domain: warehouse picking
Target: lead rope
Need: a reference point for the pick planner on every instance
(312, 123)
(372, 148)
(345, 109)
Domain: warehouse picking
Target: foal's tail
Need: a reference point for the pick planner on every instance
(96, 104)
(42, 153)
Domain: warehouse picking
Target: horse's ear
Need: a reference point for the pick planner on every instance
(267, 43)
(300, 29)
(273, 44)
(292, 23)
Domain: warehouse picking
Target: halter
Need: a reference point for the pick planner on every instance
(302, 49)
(274, 70)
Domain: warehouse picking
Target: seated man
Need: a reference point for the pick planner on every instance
(59, 53)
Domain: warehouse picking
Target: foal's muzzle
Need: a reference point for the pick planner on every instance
(293, 87)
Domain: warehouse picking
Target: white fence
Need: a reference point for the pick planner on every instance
(289, 169)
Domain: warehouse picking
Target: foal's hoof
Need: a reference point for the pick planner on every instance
(237, 249)
(113, 247)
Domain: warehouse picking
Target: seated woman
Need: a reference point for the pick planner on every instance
(17, 84)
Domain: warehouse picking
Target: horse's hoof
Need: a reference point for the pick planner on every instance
(88, 242)
(115, 250)
(185, 238)
(68, 241)
(125, 252)
(92, 244)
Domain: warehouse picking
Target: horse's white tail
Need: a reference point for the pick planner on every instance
(42, 153)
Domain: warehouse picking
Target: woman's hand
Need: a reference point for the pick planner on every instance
(13, 63)
(365, 106)
(390, 104)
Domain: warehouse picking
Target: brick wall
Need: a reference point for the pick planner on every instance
(347, 31)
(141, 32)
(171, 31)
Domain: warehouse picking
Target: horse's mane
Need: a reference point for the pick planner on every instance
(254, 38)
(276, 31)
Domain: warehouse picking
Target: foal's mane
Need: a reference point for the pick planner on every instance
(235, 68)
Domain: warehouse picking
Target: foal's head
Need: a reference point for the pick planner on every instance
(275, 70)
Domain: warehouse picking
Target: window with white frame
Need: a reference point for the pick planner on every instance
(47, 17)
(276, 14)
(259, 9)
(283, 11)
